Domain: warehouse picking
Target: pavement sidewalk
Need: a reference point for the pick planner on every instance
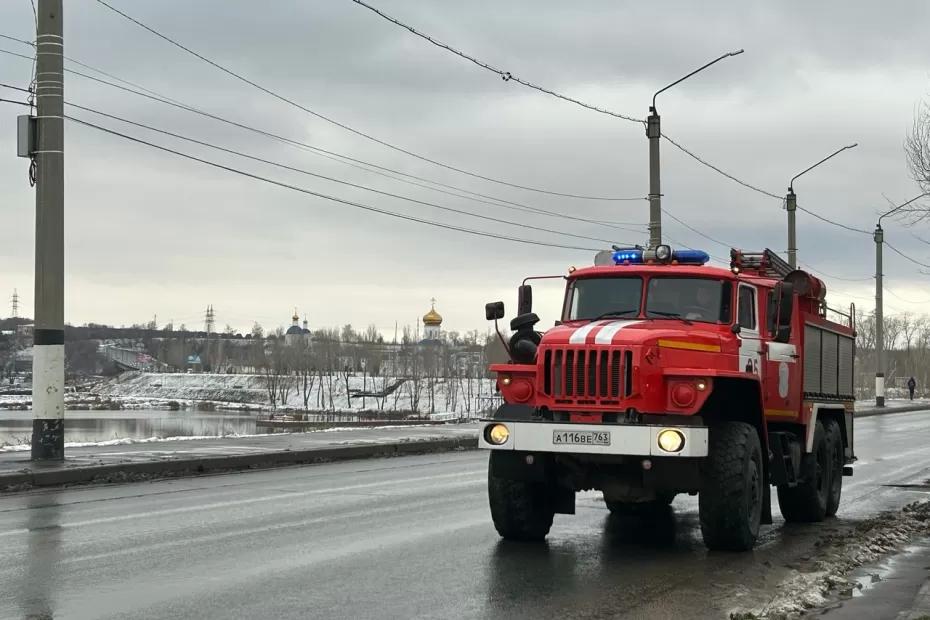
(140, 461)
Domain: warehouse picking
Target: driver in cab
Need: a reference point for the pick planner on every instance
(704, 307)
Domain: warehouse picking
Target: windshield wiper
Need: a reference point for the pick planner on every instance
(607, 315)
(671, 315)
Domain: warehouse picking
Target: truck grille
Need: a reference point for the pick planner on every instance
(587, 376)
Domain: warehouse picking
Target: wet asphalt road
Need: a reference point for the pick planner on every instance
(397, 538)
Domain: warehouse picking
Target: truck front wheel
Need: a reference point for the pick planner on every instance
(807, 502)
(521, 510)
(731, 497)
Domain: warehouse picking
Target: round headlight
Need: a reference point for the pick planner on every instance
(663, 252)
(671, 440)
(497, 434)
(505, 379)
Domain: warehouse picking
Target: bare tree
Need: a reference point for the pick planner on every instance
(917, 152)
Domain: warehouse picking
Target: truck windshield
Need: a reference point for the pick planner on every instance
(592, 298)
(694, 299)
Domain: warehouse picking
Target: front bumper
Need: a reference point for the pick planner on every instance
(633, 440)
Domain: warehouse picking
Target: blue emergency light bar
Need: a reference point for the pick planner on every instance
(635, 256)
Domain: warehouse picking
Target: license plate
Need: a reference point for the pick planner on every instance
(581, 438)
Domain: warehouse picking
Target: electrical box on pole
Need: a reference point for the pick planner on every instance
(25, 135)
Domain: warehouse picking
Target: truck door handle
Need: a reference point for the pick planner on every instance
(794, 356)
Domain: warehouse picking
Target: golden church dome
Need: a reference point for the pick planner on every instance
(432, 317)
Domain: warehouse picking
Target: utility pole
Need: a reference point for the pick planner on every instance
(791, 205)
(879, 237)
(48, 362)
(654, 134)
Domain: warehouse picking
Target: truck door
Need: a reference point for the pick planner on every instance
(781, 392)
(750, 347)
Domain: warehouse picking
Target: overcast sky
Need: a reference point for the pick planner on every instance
(149, 233)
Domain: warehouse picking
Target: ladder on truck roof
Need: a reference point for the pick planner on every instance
(765, 263)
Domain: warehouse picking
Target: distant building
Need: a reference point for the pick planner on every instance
(297, 336)
(432, 325)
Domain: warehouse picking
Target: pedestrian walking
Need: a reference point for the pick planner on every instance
(911, 386)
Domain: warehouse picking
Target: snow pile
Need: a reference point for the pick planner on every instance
(836, 556)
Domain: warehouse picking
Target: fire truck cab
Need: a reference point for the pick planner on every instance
(665, 375)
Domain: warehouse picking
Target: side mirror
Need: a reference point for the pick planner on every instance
(494, 310)
(784, 295)
(524, 299)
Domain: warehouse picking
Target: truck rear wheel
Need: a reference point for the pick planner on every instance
(807, 502)
(837, 460)
(731, 496)
(520, 510)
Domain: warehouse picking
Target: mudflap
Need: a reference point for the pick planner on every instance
(766, 518)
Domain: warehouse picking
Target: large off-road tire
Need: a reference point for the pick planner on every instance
(807, 502)
(661, 501)
(837, 460)
(520, 510)
(731, 496)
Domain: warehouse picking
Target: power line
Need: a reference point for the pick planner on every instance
(326, 196)
(335, 180)
(339, 124)
(507, 76)
(907, 301)
(833, 277)
(905, 256)
(829, 221)
(339, 157)
(718, 170)
(695, 230)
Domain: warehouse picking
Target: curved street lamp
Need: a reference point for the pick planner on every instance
(653, 133)
(791, 205)
(879, 237)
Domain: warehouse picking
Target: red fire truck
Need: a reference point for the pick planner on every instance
(665, 375)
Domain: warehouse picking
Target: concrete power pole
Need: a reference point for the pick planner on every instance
(791, 204)
(879, 237)
(48, 365)
(654, 133)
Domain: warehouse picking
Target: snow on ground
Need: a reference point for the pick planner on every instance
(837, 555)
(126, 441)
(448, 395)
(893, 403)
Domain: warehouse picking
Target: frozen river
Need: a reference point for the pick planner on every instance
(96, 426)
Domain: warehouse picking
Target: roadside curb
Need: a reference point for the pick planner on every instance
(131, 472)
(865, 413)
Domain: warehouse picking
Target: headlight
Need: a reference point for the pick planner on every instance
(496, 434)
(663, 253)
(505, 379)
(671, 440)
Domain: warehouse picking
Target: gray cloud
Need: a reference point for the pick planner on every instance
(150, 233)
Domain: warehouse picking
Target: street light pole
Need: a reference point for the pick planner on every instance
(654, 134)
(48, 361)
(879, 237)
(791, 205)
